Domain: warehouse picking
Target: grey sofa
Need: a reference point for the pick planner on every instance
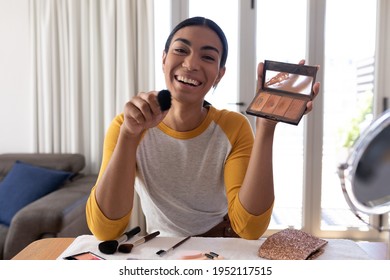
(60, 213)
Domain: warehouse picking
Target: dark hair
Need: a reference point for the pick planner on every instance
(201, 21)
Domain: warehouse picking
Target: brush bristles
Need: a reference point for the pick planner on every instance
(125, 248)
(164, 99)
(108, 247)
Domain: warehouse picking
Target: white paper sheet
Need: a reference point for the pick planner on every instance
(228, 248)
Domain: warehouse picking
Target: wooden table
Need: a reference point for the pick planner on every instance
(51, 249)
(44, 249)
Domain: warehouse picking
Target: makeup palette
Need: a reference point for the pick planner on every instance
(286, 88)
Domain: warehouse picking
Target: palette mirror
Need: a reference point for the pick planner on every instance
(291, 83)
(285, 91)
(365, 176)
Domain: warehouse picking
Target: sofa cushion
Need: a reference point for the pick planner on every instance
(66, 162)
(24, 184)
(3, 236)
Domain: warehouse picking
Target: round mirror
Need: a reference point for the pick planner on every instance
(365, 176)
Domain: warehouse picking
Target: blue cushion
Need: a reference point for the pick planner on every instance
(24, 184)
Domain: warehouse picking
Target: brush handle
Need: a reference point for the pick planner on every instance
(146, 238)
(163, 252)
(132, 232)
(127, 235)
(151, 236)
(178, 244)
(181, 242)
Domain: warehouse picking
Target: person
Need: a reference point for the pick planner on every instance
(192, 165)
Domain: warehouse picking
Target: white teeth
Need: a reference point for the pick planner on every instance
(188, 81)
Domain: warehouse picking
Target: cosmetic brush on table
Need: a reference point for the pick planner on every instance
(163, 252)
(110, 246)
(126, 248)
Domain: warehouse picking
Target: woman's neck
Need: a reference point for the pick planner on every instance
(185, 118)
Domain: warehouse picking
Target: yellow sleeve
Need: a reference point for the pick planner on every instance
(102, 227)
(246, 225)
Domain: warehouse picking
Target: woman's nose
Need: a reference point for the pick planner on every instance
(190, 63)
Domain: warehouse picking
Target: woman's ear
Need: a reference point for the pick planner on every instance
(220, 75)
(164, 56)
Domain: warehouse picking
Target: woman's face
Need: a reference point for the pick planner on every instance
(191, 66)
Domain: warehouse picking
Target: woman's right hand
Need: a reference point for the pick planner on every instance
(140, 113)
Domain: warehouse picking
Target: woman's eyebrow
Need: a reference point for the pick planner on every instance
(207, 47)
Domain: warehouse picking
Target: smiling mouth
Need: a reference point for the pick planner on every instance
(187, 81)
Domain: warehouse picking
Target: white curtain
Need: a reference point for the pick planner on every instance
(89, 58)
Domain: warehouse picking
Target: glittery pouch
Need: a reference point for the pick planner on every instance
(291, 244)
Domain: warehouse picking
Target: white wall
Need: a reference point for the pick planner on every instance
(16, 110)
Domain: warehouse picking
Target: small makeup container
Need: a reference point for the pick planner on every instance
(286, 89)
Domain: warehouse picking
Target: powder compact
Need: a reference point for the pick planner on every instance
(286, 88)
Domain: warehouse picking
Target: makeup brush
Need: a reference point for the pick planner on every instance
(109, 247)
(163, 252)
(126, 248)
(164, 99)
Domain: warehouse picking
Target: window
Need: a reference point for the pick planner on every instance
(348, 98)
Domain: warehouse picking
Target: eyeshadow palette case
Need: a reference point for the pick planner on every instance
(286, 88)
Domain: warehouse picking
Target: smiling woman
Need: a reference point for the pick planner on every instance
(198, 170)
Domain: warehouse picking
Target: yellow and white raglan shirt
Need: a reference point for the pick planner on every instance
(187, 181)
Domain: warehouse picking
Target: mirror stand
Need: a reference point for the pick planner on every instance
(365, 176)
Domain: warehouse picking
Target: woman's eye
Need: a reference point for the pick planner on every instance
(210, 58)
(179, 50)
